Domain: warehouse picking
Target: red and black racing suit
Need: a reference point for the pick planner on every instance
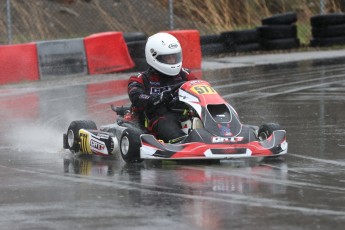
(142, 87)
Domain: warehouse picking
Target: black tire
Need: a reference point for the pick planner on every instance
(277, 32)
(280, 19)
(136, 49)
(209, 39)
(266, 130)
(213, 49)
(140, 64)
(332, 41)
(130, 146)
(134, 36)
(238, 37)
(329, 31)
(73, 133)
(327, 20)
(246, 47)
(280, 44)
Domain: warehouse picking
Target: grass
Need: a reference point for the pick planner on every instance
(304, 32)
(63, 19)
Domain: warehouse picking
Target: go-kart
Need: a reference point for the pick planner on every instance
(212, 126)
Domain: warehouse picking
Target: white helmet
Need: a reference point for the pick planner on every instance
(163, 52)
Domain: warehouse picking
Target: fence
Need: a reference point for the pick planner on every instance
(34, 20)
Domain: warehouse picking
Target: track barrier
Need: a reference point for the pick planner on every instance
(191, 49)
(18, 63)
(107, 52)
(61, 57)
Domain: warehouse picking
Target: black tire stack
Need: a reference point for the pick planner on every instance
(328, 29)
(136, 42)
(212, 44)
(279, 32)
(241, 40)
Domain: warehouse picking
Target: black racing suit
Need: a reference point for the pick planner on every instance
(143, 87)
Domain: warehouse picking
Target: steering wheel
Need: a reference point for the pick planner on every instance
(175, 100)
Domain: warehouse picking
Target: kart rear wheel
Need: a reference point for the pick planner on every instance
(130, 146)
(266, 130)
(73, 133)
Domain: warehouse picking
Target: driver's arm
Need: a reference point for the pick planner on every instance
(139, 95)
(136, 92)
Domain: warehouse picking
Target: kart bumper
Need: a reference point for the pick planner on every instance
(153, 149)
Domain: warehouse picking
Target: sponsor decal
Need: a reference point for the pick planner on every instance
(203, 89)
(158, 90)
(156, 83)
(144, 96)
(224, 130)
(193, 82)
(97, 145)
(84, 141)
(173, 46)
(226, 139)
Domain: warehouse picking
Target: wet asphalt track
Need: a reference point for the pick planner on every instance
(43, 187)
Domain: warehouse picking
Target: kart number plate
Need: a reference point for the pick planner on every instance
(203, 89)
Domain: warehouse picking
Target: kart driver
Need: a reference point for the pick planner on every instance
(149, 91)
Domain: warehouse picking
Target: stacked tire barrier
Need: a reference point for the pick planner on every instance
(212, 44)
(136, 42)
(279, 32)
(328, 30)
(241, 40)
(110, 52)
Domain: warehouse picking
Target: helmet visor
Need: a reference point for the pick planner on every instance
(170, 59)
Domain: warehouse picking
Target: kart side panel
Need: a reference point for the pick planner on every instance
(95, 142)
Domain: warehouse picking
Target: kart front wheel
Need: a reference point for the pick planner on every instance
(266, 130)
(73, 133)
(130, 146)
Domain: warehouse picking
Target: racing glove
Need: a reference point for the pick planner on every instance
(154, 100)
(166, 97)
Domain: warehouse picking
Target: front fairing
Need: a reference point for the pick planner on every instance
(217, 116)
(222, 135)
(221, 120)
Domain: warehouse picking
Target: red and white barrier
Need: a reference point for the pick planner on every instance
(191, 49)
(18, 63)
(107, 52)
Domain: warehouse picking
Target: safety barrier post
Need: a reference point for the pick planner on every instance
(107, 52)
(18, 63)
